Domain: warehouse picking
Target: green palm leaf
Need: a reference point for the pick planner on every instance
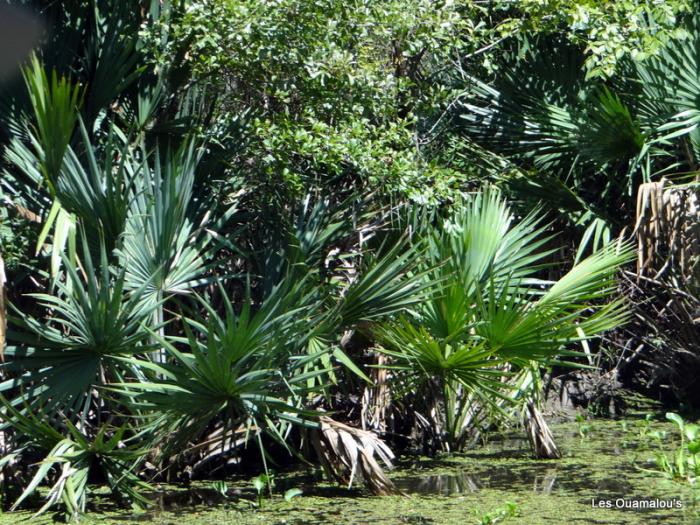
(57, 361)
(487, 314)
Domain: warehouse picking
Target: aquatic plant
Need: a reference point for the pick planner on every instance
(261, 482)
(221, 487)
(583, 428)
(509, 510)
(683, 463)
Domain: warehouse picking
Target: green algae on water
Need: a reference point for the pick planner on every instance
(500, 480)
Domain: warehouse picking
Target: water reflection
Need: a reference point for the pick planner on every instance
(544, 484)
(443, 484)
(187, 499)
(543, 480)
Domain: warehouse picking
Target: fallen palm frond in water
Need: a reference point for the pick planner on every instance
(344, 450)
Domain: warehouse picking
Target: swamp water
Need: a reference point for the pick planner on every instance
(601, 479)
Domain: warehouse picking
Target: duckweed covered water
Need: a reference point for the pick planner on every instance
(499, 481)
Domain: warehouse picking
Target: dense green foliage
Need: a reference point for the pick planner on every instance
(224, 219)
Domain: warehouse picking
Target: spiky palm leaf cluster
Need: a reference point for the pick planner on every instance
(167, 318)
(489, 317)
(583, 147)
(160, 317)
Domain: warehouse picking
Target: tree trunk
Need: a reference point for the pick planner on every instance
(376, 398)
(538, 433)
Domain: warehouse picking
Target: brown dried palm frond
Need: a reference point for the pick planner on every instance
(345, 451)
(668, 229)
(661, 345)
(220, 443)
(27, 214)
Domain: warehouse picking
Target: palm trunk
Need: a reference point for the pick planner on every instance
(376, 399)
(538, 433)
(160, 356)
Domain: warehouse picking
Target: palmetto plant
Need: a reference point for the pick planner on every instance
(55, 104)
(567, 137)
(87, 71)
(78, 453)
(88, 336)
(163, 249)
(174, 323)
(254, 368)
(39, 145)
(583, 147)
(607, 158)
(226, 375)
(489, 315)
(244, 371)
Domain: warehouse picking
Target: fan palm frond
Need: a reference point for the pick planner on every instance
(93, 324)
